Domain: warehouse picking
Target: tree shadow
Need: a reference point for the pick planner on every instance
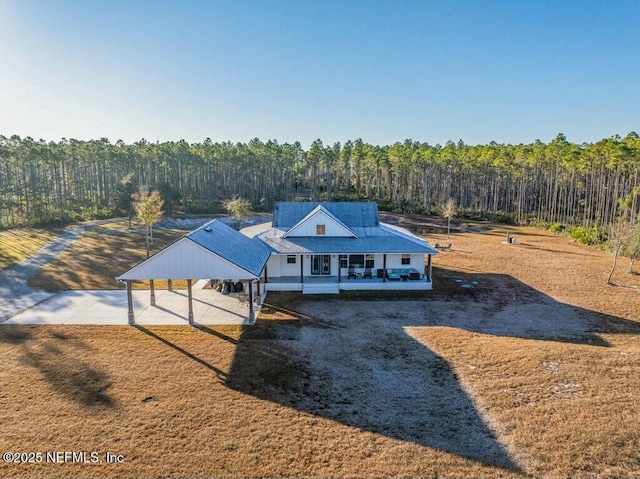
(364, 370)
(56, 356)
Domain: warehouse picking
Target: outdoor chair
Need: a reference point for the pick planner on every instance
(414, 275)
(352, 272)
(367, 273)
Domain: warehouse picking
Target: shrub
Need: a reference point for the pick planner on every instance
(591, 236)
(557, 228)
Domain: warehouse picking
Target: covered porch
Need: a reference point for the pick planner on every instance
(319, 284)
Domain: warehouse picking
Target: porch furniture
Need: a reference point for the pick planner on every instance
(351, 273)
(380, 273)
(414, 275)
(367, 273)
(392, 275)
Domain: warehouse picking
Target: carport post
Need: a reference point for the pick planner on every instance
(251, 315)
(170, 285)
(153, 292)
(429, 266)
(259, 298)
(190, 302)
(131, 317)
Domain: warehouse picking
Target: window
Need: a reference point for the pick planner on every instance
(291, 259)
(406, 259)
(356, 260)
(320, 230)
(343, 261)
(369, 261)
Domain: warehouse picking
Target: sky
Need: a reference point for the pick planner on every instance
(383, 71)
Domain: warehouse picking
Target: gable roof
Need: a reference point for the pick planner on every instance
(250, 254)
(213, 249)
(319, 210)
(287, 214)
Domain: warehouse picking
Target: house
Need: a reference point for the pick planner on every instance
(319, 248)
(328, 247)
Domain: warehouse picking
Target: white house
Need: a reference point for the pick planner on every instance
(328, 247)
(308, 247)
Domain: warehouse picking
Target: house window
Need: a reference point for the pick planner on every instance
(320, 230)
(369, 261)
(291, 259)
(406, 259)
(343, 261)
(356, 260)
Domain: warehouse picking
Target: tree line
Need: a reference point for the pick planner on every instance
(43, 182)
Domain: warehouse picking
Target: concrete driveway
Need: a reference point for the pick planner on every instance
(109, 307)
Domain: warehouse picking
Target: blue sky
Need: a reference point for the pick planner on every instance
(383, 71)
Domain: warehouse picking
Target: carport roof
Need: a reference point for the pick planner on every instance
(213, 249)
(248, 253)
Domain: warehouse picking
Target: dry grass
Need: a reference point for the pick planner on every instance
(100, 255)
(532, 372)
(20, 243)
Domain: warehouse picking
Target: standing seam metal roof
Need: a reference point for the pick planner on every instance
(249, 254)
(287, 214)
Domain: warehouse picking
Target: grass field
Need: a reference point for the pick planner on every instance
(530, 371)
(20, 243)
(101, 254)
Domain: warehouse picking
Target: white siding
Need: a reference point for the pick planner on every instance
(290, 269)
(184, 259)
(307, 227)
(274, 267)
(395, 261)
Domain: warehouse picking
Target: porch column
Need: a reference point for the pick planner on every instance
(259, 298)
(266, 277)
(170, 285)
(301, 268)
(251, 315)
(130, 318)
(429, 266)
(384, 267)
(153, 292)
(190, 302)
(339, 270)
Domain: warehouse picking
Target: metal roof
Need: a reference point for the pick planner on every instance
(378, 240)
(287, 214)
(248, 253)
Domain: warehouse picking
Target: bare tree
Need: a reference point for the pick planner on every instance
(148, 207)
(239, 208)
(449, 210)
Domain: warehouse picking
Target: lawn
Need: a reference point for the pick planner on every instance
(20, 243)
(529, 370)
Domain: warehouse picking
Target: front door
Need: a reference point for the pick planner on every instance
(321, 264)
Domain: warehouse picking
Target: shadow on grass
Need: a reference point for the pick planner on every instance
(218, 372)
(365, 371)
(56, 356)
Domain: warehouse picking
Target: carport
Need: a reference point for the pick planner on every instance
(213, 251)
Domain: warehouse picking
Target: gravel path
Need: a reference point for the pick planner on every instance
(15, 295)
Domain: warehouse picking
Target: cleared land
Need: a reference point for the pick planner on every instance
(101, 254)
(20, 243)
(520, 363)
